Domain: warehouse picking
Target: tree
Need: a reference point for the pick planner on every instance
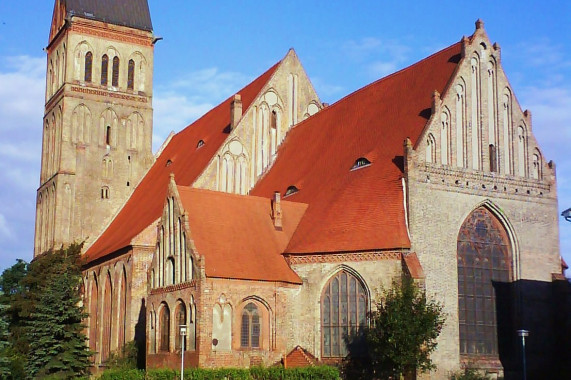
(54, 329)
(4, 334)
(402, 335)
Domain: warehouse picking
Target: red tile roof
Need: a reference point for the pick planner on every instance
(363, 209)
(187, 163)
(299, 357)
(236, 234)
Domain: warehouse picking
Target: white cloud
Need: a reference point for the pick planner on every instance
(381, 69)
(4, 229)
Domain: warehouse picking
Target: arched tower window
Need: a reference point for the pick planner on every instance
(343, 311)
(430, 149)
(164, 328)
(104, 69)
(88, 66)
(484, 257)
(250, 328)
(115, 77)
(180, 320)
(170, 271)
(131, 75)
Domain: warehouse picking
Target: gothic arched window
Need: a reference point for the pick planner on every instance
(88, 66)
(180, 320)
(343, 311)
(164, 328)
(115, 77)
(484, 257)
(131, 75)
(104, 69)
(250, 328)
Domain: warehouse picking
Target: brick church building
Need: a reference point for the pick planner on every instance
(268, 225)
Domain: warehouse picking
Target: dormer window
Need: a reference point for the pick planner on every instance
(360, 163)
(199, 144)
(291, 190)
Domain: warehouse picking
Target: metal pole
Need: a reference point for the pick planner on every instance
(183, 344)
(523, 334)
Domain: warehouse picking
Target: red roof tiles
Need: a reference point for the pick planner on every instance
(236, 234)
(362, 209)
(145, 204)
(299, 357)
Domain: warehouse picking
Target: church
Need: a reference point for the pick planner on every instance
(269, 224)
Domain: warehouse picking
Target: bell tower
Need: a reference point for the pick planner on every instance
(98, 116)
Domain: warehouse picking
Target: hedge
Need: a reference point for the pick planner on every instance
(254, 373)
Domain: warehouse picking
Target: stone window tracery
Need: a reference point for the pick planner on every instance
(343, 311)
(250, 328)
(484, 256)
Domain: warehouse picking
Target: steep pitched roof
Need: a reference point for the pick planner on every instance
(186, 162)
(131, 13)
(363, 209)
(236, 234)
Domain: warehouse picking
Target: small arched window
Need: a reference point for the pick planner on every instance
(104, 69)
(88, 66)
(250, 328)
(361, 162)
(108, 135)
(291, 190)
(115, 78)
(164, 328)
(105, 192)
(131, 75)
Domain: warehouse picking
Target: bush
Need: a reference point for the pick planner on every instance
(469, 374)
(255, 373)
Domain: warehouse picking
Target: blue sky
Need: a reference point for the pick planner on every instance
(211, 49)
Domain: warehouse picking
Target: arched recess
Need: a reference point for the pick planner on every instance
(93, 313)
(164, 327)
(80, 60)
(108, 311)
(460, 123)
(445, 137)
(180, 319)
(108, 127)
(81, 124)
(536, 165)
(222, 326)
(485, 256)
(344, 307)
(521, 144)
(135, 130)
(152, 330)
(430, 149)
(192, 322)
(122, 302)
(139, 72)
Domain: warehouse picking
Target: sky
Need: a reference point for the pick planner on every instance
(212, 49)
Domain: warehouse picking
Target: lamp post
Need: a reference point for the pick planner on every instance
(182, 343)
(523, 334)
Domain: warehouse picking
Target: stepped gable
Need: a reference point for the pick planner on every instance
(131, 13)
(362, 209)
(187, 162)
(236, 234)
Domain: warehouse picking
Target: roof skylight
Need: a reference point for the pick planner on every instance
(361, 162)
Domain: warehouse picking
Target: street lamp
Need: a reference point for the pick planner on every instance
(182, 343)
(523, 334)
(567, 214)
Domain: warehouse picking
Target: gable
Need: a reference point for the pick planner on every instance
(477, 123)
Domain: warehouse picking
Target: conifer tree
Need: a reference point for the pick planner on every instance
(57, 345)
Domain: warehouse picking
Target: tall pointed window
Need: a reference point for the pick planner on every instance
(115, 78)
(250, 328)
(484, 257)
(343, 312)
(131, 75)
(164, 328)
(104, 69)
(88, 66)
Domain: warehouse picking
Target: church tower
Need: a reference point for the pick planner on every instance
(98, 116)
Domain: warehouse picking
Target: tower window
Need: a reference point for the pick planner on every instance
(361, 162)
(104, 69)
(88, 66)
(115, 79)
(104, 192)
(274, 120)
(493, 159)
(131, 75)
(108, 135)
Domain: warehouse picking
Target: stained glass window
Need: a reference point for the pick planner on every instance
(250, 328)
(484, 257)
(343, 311)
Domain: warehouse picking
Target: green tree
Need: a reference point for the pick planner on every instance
(4, 345)
(54, 330)
(403, 330)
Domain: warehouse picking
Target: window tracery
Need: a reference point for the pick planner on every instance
(250, 329)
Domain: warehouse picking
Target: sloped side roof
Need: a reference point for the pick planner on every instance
(236, 234)
(186, 162)
(131, 13)
(363, 209)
